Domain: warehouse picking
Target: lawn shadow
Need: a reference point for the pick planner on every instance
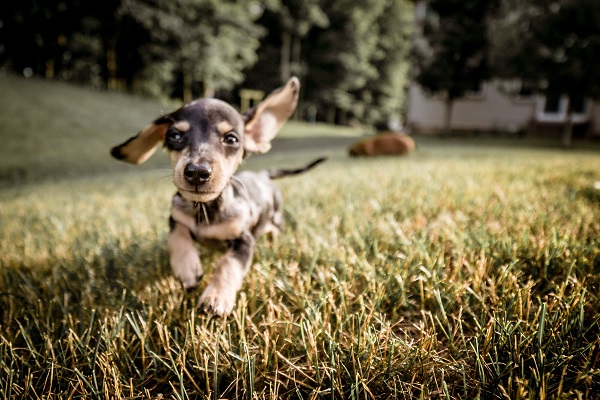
(115, 278)
(591, 193)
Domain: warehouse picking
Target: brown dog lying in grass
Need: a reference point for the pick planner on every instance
(388, 143)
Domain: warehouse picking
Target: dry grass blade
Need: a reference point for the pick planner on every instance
(469, 270)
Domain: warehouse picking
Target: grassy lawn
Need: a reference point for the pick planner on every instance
(469, 269)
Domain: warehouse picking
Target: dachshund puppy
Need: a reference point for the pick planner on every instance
(206, 141)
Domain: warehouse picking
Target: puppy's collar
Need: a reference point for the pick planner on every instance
(198, 207)
(201, 209)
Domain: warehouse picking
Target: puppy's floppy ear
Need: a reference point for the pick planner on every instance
(139, 148)
(264, 121)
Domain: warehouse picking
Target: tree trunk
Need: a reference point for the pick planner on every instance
(448, 115)
(49, 73)
(344, 118)
(187, 85)
(111, 66)
(286, 48)
(209, 89)
(567, 134)
(331, 115)
(296, 52)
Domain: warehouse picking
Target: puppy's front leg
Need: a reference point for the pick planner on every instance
(219, 296)
(185, 259)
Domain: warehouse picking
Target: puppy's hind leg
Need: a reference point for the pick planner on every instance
(274, 220)
(184, 257)
(278, 220)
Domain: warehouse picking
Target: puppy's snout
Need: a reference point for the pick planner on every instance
(197, 174)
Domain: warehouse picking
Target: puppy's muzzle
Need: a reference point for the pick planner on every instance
(197, 174)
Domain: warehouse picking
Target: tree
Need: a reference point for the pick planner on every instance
(453, 59)
(552, 47)
(46, 38)
(297, 18)
(72, 40)
(284, 49)
(203, 40)
(383, 97)
(351, 56)
(341, 56)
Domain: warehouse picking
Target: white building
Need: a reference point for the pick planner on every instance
(497, 106)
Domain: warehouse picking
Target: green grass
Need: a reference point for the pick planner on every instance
(469, 269)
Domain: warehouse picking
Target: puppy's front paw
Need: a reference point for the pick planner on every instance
(218, 301)
(188, 269)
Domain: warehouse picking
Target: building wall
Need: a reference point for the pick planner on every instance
(495, 108)
(492, 109)
(595, 119)
(489, 110)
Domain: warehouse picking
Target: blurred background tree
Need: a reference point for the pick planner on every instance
(199, 40)
(553, 48)
(453, 60)
(383, 95)
(351, 56)
(339, 60)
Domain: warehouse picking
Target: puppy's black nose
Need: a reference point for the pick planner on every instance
(197, 174)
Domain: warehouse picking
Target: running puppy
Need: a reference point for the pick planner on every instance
(207, 140)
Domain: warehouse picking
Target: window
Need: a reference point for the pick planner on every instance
(476, 91)
(552, 105)
(579, 105)
(555, 109)
(526, 91)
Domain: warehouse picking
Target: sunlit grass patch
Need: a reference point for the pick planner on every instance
(463, 271)
(448, 276)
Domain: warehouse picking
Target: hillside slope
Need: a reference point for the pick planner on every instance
(52, 131)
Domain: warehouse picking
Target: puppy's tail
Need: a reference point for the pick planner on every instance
(280, 173)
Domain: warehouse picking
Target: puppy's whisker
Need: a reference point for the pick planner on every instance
(239, 186)
(163, 179)
(163, 170)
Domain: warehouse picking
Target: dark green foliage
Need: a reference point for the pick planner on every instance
(350, 56)
(453, 59)
(551, 47)
(383, 96)
(358, 63)
(202, 41)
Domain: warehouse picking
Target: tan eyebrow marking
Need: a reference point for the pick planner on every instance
(182, 126)
(224, 127)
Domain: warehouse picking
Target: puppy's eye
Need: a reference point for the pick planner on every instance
(175, 136)
(230, 138)
(175, 140)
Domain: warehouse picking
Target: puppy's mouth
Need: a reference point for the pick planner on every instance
(202, 192)
(199, 194)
